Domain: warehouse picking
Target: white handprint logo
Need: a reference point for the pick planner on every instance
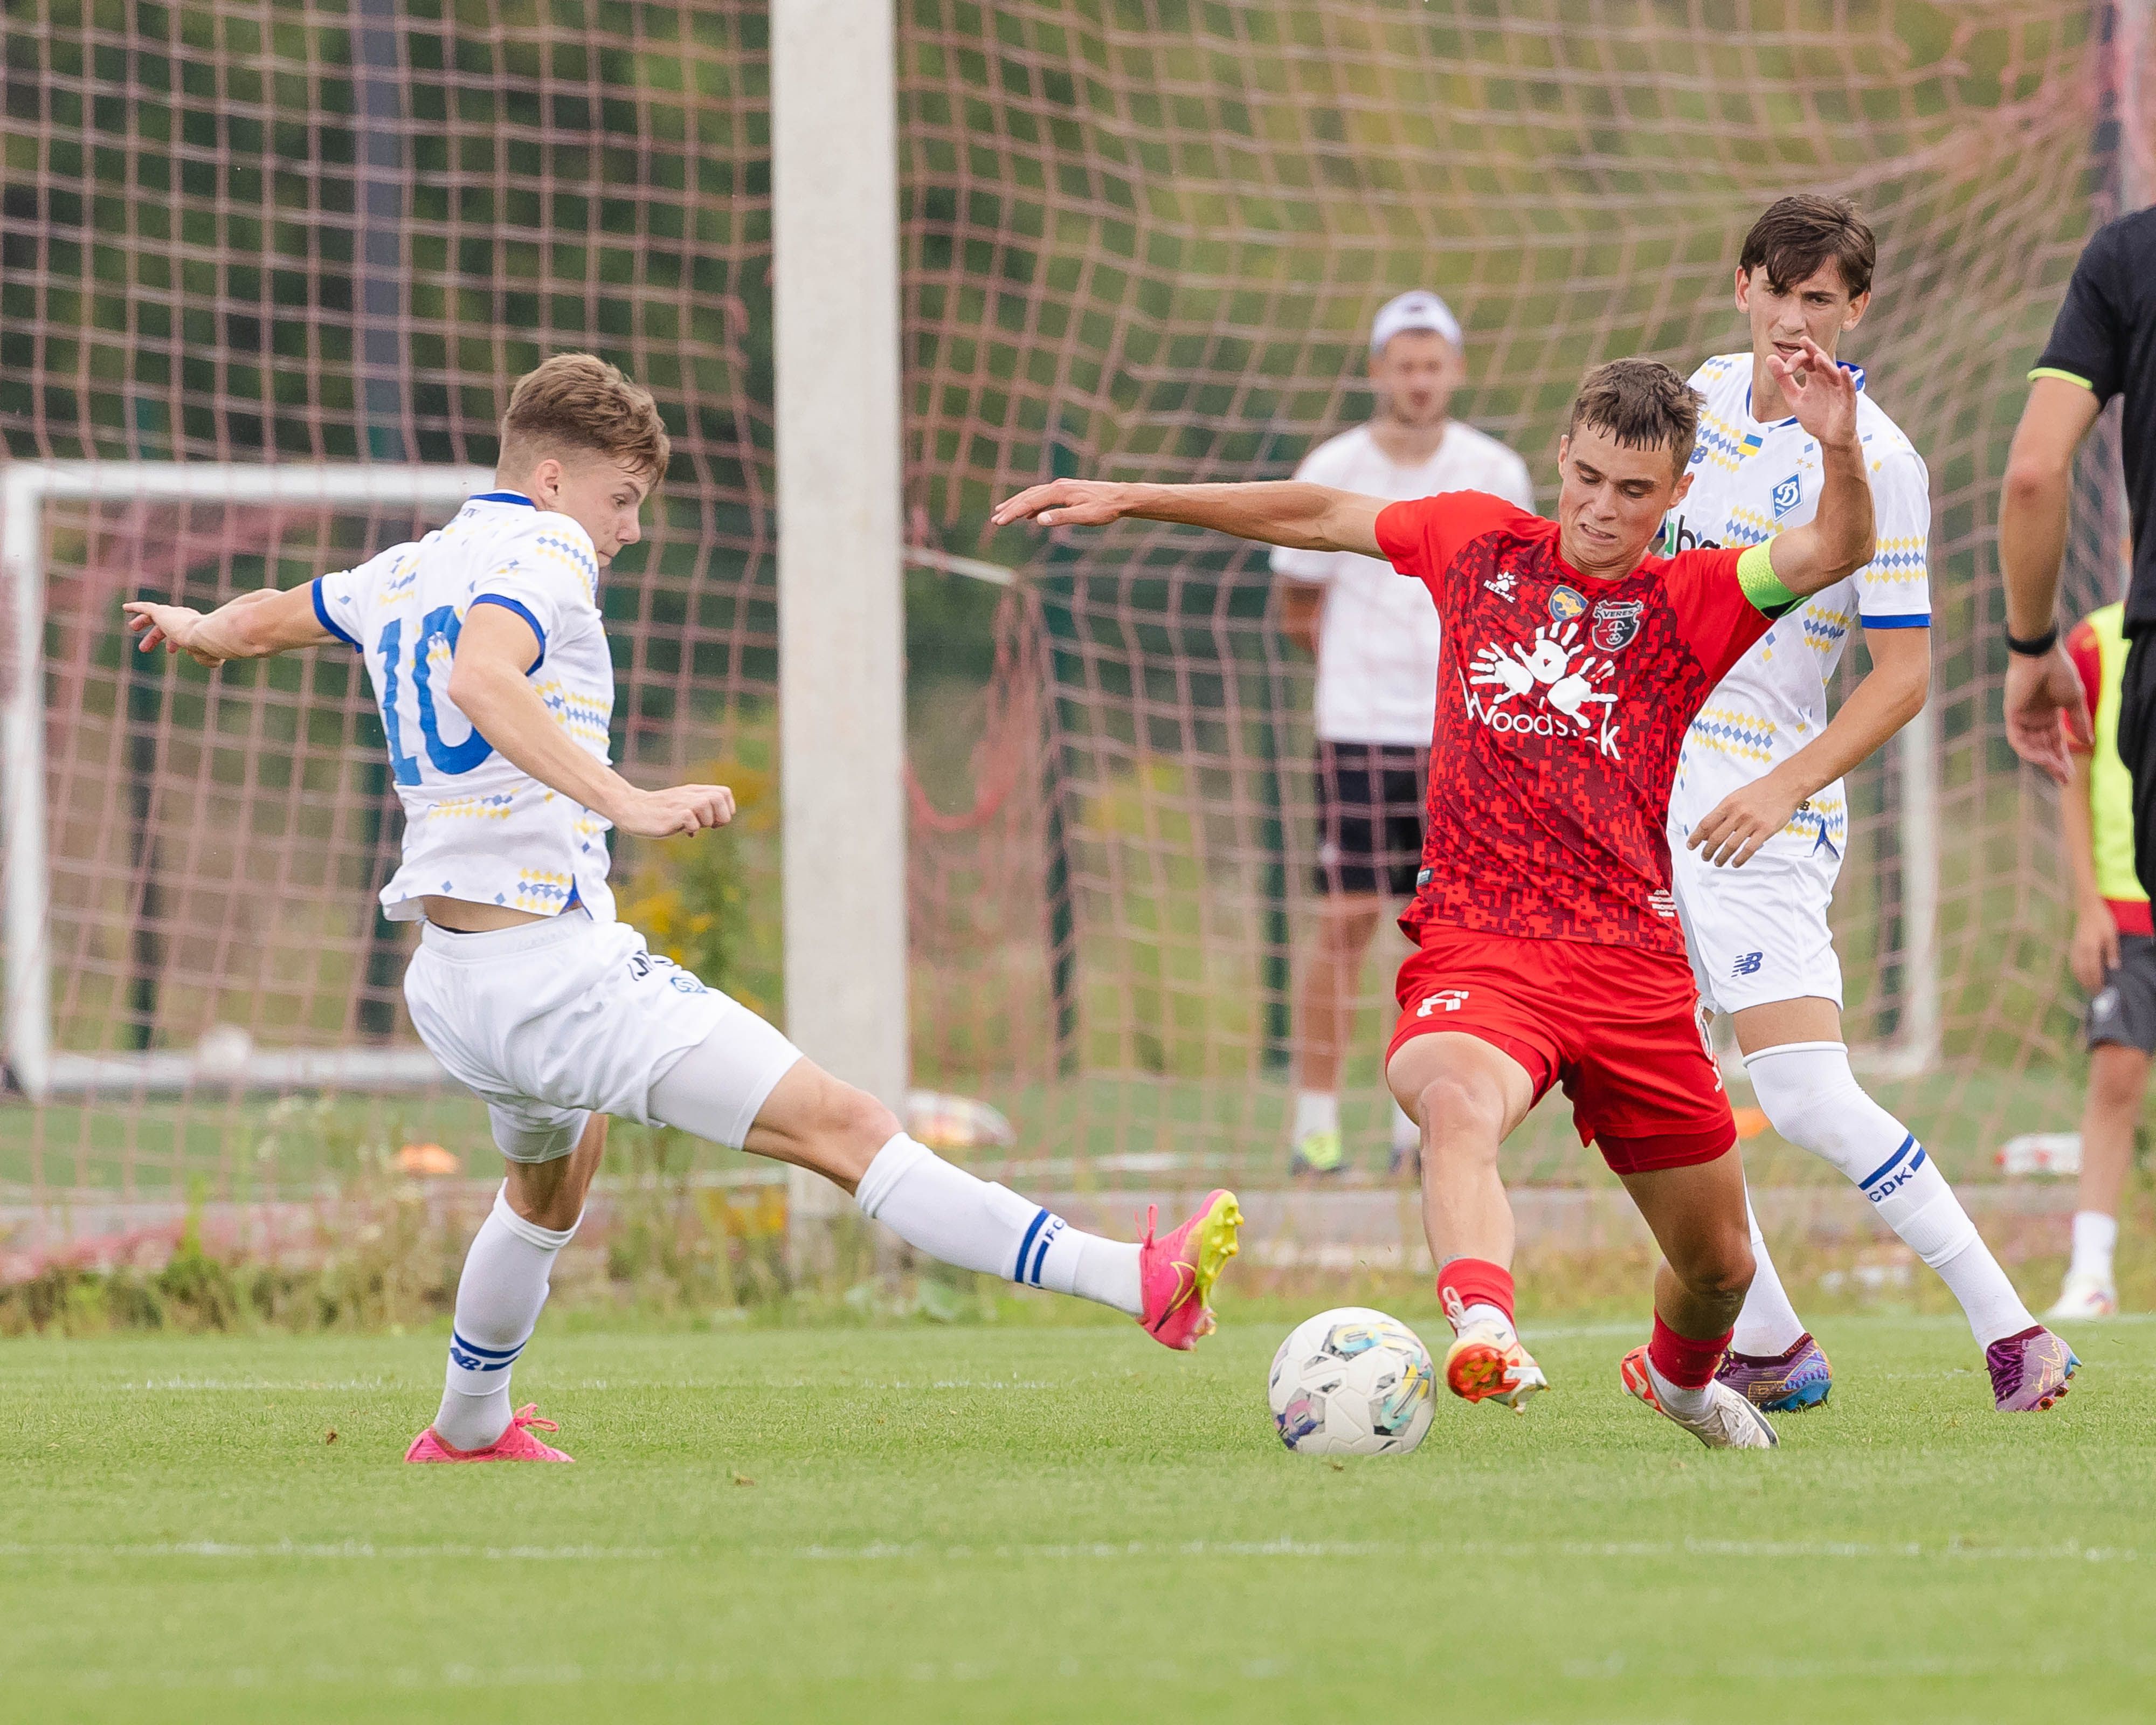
(1546, 664)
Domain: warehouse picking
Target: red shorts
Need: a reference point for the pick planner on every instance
(1617, 1026)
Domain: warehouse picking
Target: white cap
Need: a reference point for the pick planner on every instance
(1418, 309)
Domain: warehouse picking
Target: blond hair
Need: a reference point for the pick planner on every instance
(577, 401)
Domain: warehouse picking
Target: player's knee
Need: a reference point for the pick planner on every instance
(852, 1120)
(1461, 1119)
(2118, 1077)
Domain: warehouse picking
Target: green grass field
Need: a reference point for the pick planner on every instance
(1054, 1523)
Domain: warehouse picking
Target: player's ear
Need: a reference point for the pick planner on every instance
(1855, 314)
(1743, 289)
(545, 483)
(1684, 484)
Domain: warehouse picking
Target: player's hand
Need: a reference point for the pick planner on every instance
(682, 809)
(1736, 826)
(1066, 503)
(2046, 711)
(1820, 393)
(2093, 953)
(178, 628)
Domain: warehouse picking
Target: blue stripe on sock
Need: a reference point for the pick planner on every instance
(1025, 1246)
(488, 1353)
(1888, 1166)
(1041, 1257)
(1916, 1161)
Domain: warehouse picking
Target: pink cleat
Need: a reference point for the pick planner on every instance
(1175, 1274)
(517, 1444)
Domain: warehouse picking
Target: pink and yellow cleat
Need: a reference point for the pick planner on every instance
(1175, 1274)
(517, 1444)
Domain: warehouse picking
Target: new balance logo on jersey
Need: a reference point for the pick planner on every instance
(1678, 536)
(1444, 1000)
(1748, 963)
(1553, 679)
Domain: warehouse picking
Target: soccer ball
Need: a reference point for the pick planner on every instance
(1352, 1382)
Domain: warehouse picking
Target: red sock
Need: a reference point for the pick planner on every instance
(1683, 1362)
(1476, 1281)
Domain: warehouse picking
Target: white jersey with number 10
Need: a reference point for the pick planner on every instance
(475, 827)
(1750, 480)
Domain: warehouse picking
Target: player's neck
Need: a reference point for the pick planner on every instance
(1768, 404)
(1407, 445)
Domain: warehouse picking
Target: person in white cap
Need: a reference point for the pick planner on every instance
(1375, 638)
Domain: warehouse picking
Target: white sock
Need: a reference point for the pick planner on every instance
(1812, 1098)
(1406, 1134)
(1769, 1324)
(1685, 1403)
(1482, 1312)
(970, 1223)
(2096, 1237)
(499, 1296)
(1316, 1110)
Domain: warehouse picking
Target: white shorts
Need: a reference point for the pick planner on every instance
(552, 1022)
(1758, 934)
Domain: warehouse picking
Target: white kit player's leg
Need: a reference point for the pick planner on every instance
(968, 1223)
(1769, 1326)
(499, 1298)
(1810, 1097)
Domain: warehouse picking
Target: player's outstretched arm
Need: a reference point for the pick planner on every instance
(1837, 541)
(1290, 512)
(489, 681)
(252, 626)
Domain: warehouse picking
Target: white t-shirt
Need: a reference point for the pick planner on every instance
(476, 828)
(1376, 648)
(1749, 481)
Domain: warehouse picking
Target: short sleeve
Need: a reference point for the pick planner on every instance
(549, 576)
(1320, 467)
(1421, 537)
(1894, 589)
(2087, 660)
(1724, 601)
(2087, 344)
(341, 597)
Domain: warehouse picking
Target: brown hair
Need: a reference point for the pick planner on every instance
(1798, 234)
(1642, 403)
(577, 400)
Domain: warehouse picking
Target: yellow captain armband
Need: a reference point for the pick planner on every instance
(1755, 574)
(2063, 376)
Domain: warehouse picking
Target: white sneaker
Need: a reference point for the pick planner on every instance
(1730, 1422)
(2084, 1296)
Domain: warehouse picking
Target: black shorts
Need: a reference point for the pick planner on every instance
(2124, 1010)
(1370, 817)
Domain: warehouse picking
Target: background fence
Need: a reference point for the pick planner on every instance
(1142, 238)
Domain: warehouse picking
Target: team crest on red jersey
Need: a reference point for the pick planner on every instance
(1616, 622)
(1566, 604)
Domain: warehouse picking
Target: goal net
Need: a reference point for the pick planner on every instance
(1143, 239)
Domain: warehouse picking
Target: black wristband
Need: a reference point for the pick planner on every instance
(2036, 646)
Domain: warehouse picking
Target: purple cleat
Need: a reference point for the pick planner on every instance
(2029, 1372)
(1782, 1383)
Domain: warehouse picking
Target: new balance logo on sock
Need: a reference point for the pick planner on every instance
(1894, 1173)
(468, 1356)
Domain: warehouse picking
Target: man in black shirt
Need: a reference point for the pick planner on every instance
(2103, 344)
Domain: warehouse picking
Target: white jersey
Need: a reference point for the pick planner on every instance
(1751, 480)
(475, 827)
(1377, 650)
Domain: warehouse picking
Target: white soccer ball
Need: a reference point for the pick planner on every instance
(1352, 1382)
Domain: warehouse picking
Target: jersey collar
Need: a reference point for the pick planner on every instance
(1855, 371)
(502, 497)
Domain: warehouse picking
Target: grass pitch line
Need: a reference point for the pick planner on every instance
(343, 1550)
(1953, 1550)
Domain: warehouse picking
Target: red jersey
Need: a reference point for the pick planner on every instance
(1562, 702)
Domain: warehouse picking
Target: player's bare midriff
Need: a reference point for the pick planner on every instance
(462, 916)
